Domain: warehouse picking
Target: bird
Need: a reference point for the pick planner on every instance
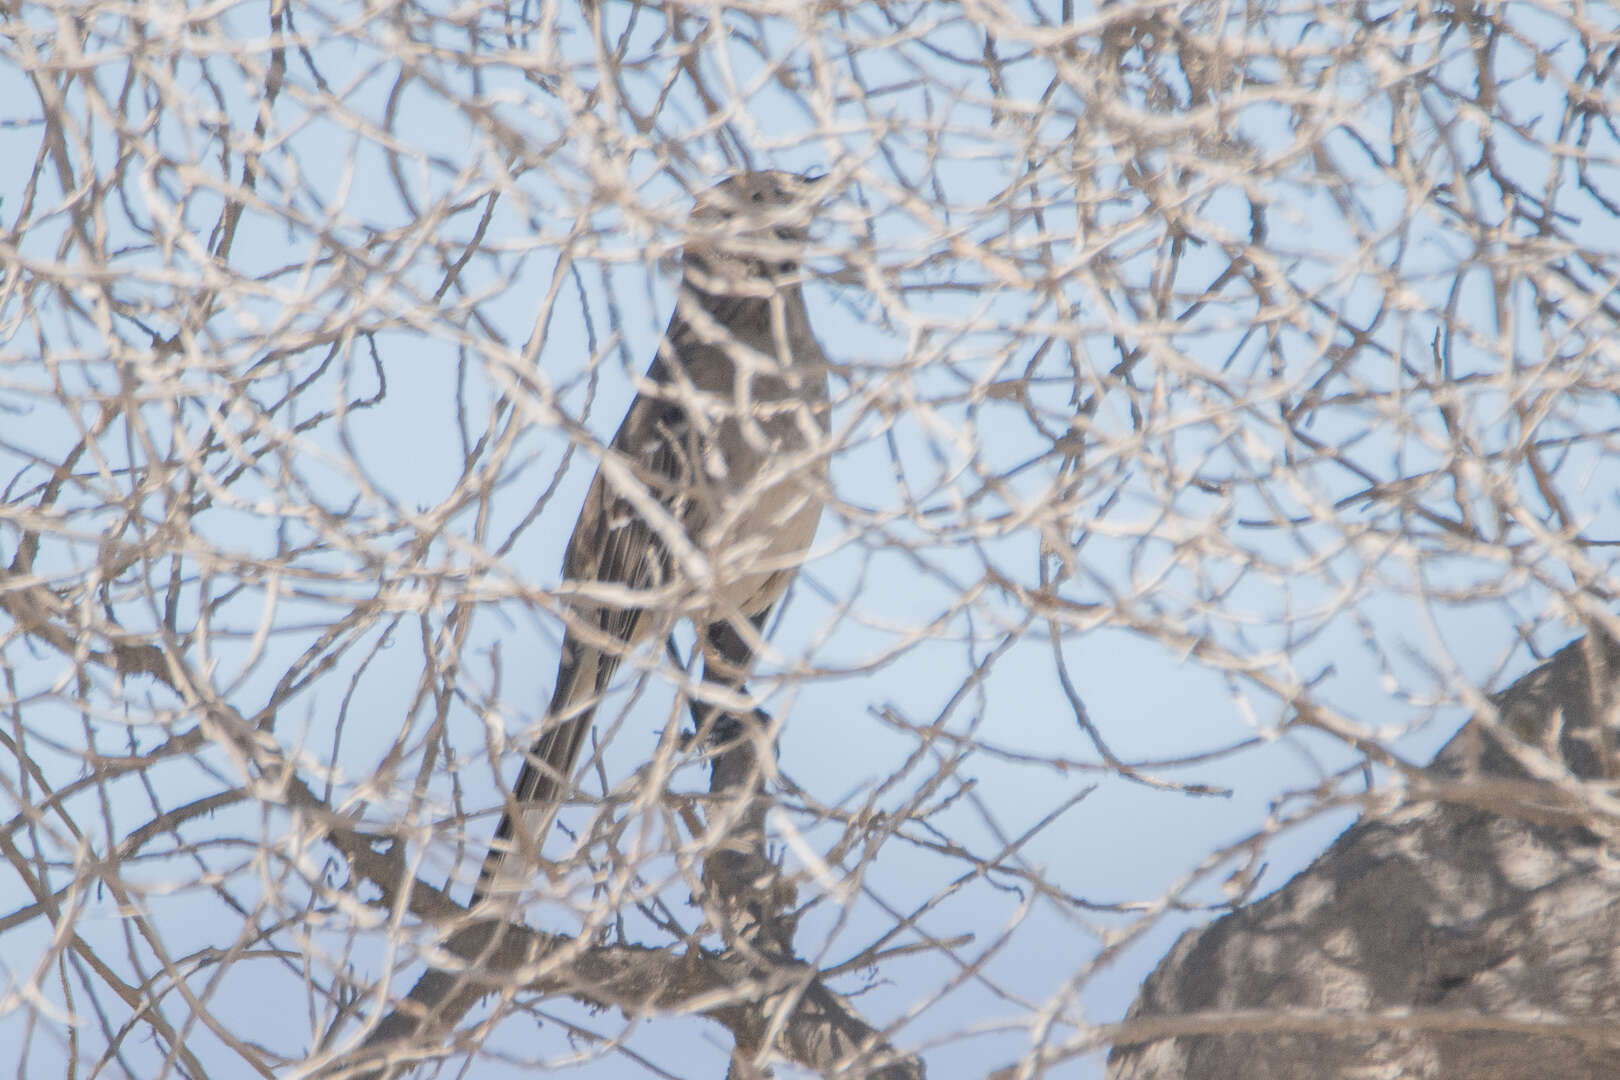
(706, 500)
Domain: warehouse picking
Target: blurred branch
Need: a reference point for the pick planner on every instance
(773, 1004)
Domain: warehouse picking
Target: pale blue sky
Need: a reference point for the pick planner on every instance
(1373, 660)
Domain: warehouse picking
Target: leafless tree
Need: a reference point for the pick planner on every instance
(1224, 406)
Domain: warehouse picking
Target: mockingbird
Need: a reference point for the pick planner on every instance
(709, 494)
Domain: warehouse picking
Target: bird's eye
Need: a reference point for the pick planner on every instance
(759, 196)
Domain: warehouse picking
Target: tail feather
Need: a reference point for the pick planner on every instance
(547, 770)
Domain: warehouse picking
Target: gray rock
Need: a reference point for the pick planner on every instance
(1473, 932)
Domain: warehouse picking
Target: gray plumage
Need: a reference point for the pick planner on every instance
(711, 490)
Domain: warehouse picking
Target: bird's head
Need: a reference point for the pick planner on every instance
(747, 233)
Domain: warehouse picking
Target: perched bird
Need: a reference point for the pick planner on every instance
(708, 496)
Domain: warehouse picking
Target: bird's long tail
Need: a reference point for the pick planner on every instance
(547, 770)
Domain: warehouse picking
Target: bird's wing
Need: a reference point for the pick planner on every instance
(612, 544)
